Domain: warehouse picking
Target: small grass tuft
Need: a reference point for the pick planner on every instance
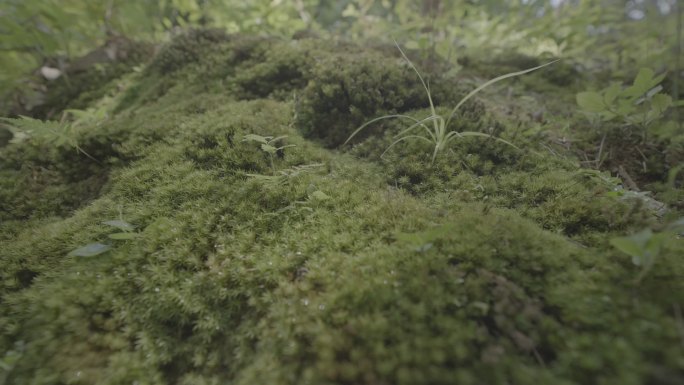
(439, 134)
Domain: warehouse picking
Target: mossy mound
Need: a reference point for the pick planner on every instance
(310, 266)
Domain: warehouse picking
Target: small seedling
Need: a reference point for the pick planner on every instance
(439, 135)
(268, 145)
(92, 249)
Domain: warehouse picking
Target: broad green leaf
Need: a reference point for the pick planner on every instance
(653, 246)
(625, 107)
(642, 237)
(123, 236)
(590, 101)
(643, 82)
(660, 103)
(611, 93)
(644, 78)
(642, 246)
(90, 250)
(119, 224)
(607, 115)
(268, 148)
(629, 247)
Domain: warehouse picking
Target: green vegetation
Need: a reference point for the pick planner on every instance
(638, 105)
(439, 136)
(267, 145)
(223, 234)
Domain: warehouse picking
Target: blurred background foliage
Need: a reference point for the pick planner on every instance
(601, 35)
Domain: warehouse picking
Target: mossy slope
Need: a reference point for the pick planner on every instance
(492, 267)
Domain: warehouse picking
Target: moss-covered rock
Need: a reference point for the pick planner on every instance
(307, 266)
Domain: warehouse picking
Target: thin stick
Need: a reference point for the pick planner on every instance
(599, 160)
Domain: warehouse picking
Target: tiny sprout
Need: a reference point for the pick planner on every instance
(267, 145)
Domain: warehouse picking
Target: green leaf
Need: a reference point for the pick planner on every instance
(642, 237)
(119, 224)
(268, 148)
(625, 107)
(629, 247)
(49, 131)
(590, 101)
(643, 246)
(643, 82)
(653, 246)
(660, 103)
(611, 93)
(644, 78)
(90, 250)
(255, 138)
(123, 236)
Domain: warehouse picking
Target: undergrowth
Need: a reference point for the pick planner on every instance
(493, 266)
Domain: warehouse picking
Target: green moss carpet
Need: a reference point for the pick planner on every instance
(320, 263)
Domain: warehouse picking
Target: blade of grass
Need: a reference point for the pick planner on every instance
(375, 120)
(405, 138)
(481, 134)
(492, 81)
(421, 123)
(425, 86)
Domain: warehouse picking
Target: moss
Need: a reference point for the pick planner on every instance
(347, 90)
(187, 48)
(492, 266)
(39, 181)
(273, 69)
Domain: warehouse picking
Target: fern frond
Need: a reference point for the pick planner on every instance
(48, 131)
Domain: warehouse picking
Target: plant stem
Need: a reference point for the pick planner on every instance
(272, 164)
(678, 55)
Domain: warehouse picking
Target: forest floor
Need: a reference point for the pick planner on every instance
(211, 226)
